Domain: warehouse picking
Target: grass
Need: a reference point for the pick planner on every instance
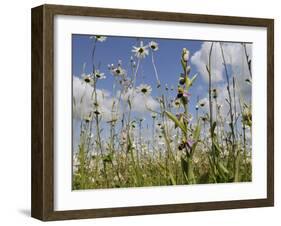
(181, 150)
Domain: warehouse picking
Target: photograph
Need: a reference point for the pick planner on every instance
(150, 111)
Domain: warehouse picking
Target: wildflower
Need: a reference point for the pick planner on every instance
(177, 103)
(183, 95)
(153, 115)
(186, 144)
(202, 103)
(153, 45)
(118, 71)
(99, 75)
(144, 89)
(189, 143)
(87, 79)
(215, 94)
(182, 79)
(181, 146)
(141, 51)
(185, 54)
(88, 119)
(204, 118)
(99, 38)
(247, 115)
(180, 92)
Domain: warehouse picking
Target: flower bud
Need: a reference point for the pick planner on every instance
(185, 54)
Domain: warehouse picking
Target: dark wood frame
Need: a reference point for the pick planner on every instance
(42, 203)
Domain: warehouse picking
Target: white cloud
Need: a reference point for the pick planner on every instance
(235, 59)
(221, 100)
(83, 101)
(201, 59)
(140, 103)
(237, 67)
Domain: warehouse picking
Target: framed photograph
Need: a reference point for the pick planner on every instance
(141, 112)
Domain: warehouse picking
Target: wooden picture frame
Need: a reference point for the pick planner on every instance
(42, 203)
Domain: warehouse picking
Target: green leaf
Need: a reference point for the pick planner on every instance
(222, 167)
(183, 64)
(217, 147)
(176, 121)
(196, 136)
(189, 81)
(237, 166)
(192, 79)
(213, 127)
(172, 179)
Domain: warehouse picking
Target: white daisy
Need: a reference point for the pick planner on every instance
(202, 103)
(141, 51)
(99, 38)
(99, 75)
(144, 89)
(88, 119)
(87, 79)
(118, 71)
(153, 45)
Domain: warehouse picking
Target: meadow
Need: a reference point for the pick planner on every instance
(143, 121)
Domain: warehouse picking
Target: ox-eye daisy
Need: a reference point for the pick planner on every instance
(153, 45)
(118, 71)
(99, 75)
(87, 79)
(99, 38)
(141, 51)
(144, 89)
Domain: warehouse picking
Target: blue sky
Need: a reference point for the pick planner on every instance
(167, 60)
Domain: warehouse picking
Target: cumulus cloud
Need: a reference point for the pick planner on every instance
(201, 58)
(83, 101)
(235, 60)
(140, 103)
(221, 100)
